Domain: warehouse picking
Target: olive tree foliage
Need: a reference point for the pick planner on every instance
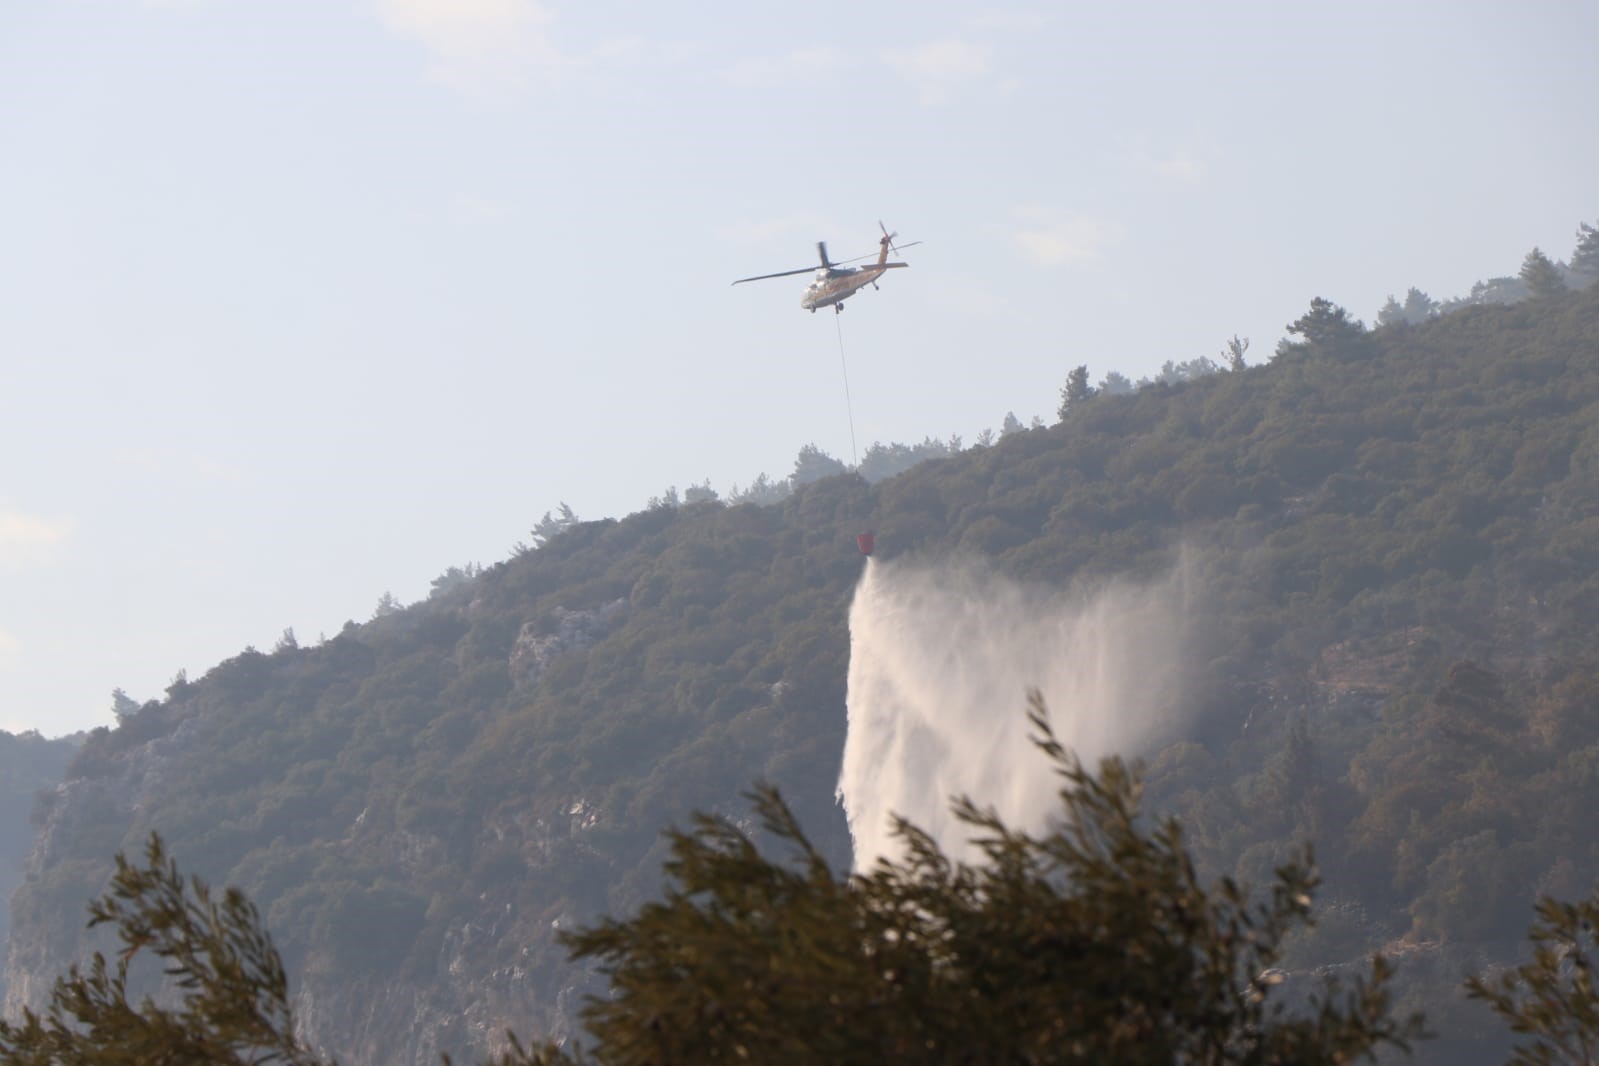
(1551, 999)
(234, 1006)
(231, 991)
(1093, 941)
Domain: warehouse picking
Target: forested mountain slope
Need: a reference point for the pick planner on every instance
(28, 763)
(1399, 533)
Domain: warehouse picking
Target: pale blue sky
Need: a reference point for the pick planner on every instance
(305, 301)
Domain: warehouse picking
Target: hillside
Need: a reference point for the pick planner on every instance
(1397, 533)
(29, 763)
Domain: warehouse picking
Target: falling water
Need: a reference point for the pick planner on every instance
(941, 659)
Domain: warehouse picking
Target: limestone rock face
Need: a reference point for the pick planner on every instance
(575, 630)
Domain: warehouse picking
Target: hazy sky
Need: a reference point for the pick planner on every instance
(302, 301)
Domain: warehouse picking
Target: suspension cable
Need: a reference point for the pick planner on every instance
(849, 407)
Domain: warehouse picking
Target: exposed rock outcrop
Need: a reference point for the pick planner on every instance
(574, 630)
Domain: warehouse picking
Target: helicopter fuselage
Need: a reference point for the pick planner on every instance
(837, 285)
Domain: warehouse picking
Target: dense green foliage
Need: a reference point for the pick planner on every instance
(1395, 534)
(234, 994)
(1075, 392)
(1541, 276)
(1552, 999)
(1585, 257)
(1094, 942)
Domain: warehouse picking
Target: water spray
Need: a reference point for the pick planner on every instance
(941, 659)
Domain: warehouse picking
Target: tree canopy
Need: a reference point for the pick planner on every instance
(1325, 330)
(1541, 275)
(1075, 391)
(1551, 1001)
(234, 1005)
(1585, 257)
(1092, 941)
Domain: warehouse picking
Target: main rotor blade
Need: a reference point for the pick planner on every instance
(779, 274)
(873, 255)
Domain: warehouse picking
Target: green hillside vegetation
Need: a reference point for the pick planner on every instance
(1093, 942)
(28, 763)
(1398, 532)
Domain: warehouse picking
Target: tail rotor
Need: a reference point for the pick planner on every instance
(888, 239)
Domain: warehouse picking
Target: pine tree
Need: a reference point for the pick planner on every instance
(1076, 391)
(1391, 313)
(1114, 383)
(387, 605)
(553, 524)
(1326, 329)
(1585, 258)
(123, 705)
(1542, 277)
(813, 464)
(1419, 307)
(1236, 347)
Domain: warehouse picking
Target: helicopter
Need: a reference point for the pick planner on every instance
(836, 282)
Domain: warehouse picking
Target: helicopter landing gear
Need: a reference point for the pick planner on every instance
(838, 308)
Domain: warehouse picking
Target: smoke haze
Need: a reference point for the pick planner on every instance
(941, 658)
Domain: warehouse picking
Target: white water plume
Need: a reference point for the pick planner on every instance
(941, 658)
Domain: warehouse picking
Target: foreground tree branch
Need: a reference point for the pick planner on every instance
(233, 994)
(1091, 942)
